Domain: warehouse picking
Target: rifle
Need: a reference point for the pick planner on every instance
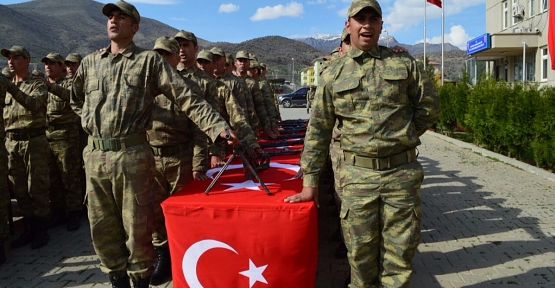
(281, 143)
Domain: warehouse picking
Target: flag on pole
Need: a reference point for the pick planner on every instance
(438, 2)
(551, 33)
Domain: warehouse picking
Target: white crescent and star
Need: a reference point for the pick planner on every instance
(195, 251)
(249, 184)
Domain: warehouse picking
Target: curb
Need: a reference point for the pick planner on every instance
(502, 158)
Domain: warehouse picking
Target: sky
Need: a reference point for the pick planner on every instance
(236, 21)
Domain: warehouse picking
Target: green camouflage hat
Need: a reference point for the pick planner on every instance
(254, 64)
(125, 7)
(263, 65)
(206, 55)
(218, 51)
(74, 58)
(38, 73)
(358, 5)
(252, 57)
(16, 50)
(344, 34)
(7, 72)
(187, 36)
(229, 59)
(168, 44)
(242, 55)
(54, 57)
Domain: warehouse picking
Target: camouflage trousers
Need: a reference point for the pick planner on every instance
(172, 174)
(28, 172)
(4, 194)
(120, 200)
(380, 218)
(337, 162)
(65, 164)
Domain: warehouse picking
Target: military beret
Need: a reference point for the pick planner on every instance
(125, 7)
(16, 50)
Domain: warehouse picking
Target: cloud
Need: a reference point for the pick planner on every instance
(292, 9)
(457, 37)
(228, 8)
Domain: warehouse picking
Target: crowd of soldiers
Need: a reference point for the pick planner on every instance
(49, 143)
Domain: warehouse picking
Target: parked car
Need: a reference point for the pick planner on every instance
(295, 98)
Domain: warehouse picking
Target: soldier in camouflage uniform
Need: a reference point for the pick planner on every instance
(27, 146)
(263, 71)
(231, 111)
(267, 95)
(229, 64)
(63, 137)
(383, 102)
(72, 62)
(113, 92)
(242, 64)
(4, 193)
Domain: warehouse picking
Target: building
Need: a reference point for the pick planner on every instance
(514, 47)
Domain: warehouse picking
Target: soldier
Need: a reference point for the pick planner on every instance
(231, 111)
(4, 193)
(309, 98)
(242, 64)
(114, 91)
(263, 71)
(267, 95)
(63, 137)
(27, 146)
(229, 64)
(72, 61)
(38, 75)
(381, 178)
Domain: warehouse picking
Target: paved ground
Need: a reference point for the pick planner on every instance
(486, 223)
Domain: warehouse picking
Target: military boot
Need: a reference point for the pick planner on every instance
(120, 282)
(26, 236)
(58, 217)
(41, 237)
(141, 283)
(73, 221)
(2, 253)
(163, 270)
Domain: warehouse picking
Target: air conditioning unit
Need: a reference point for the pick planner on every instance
(518, 11)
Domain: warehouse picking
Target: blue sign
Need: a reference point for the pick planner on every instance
(478, 44)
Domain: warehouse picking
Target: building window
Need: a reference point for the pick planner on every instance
(545, 63)
(515, 19)
(544, 5)
(530, 68)
(505, 15)
(532, 7)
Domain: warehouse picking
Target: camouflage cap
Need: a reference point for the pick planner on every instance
(187, 36)
(358, 5)
(54, 57)
(262, 65)
(168, 44)
(7, 72)
(206, 55)
(218, 51)
(229, 59)
(73, 58)
(336, 50)
(125, 7)
(16, 50)
(255, 64)
(344, 34)
(242, 55)
(252, 57)
(38, 73)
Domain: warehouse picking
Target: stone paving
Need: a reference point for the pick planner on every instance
(488, 222)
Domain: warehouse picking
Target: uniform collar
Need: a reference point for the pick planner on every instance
(127, 51)
(375, 52)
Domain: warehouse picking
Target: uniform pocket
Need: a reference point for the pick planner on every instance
(394, 85)
(134, 91)
(144, 198)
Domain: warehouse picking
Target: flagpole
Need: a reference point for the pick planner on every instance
(442, 38)
(424, 59)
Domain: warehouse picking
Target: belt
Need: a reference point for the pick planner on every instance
(166, 151)
(25, 135)
(381, 163)
(64, 126)
(116, 144)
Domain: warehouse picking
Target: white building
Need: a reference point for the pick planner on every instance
(514, 43)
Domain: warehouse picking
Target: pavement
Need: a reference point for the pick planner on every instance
(489, 221)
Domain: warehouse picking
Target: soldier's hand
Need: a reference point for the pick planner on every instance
(216, 161)
(307, 194)
(275, 130)
(199, 175)
(270, 134)
(399, 49)
(230, 137)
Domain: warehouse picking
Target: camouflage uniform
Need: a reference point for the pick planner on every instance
(258, 102)
(4, 194)
(240, 90)
(63, 136)
(268, 96)
(383, 102)
(310, 97)
(114, 95)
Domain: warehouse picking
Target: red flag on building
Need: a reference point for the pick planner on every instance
(435, 2)
(551, 33)
(238, 236)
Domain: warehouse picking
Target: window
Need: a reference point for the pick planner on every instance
(544, 63)
(532, 8)
(515, 19)
(544, 5)
(505, 15)
(530, 68)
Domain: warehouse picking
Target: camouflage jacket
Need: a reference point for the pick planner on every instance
(114, 94)
(240, 91)
(258, 102)
(58, 109)
(25, 105)
(382, 101)
(268, 96)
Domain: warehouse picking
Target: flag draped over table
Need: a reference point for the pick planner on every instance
(551, 34)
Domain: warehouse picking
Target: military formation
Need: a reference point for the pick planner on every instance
(105, 131)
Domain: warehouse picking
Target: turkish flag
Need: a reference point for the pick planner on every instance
(435, 2)
(238, 236)
(551, 33)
